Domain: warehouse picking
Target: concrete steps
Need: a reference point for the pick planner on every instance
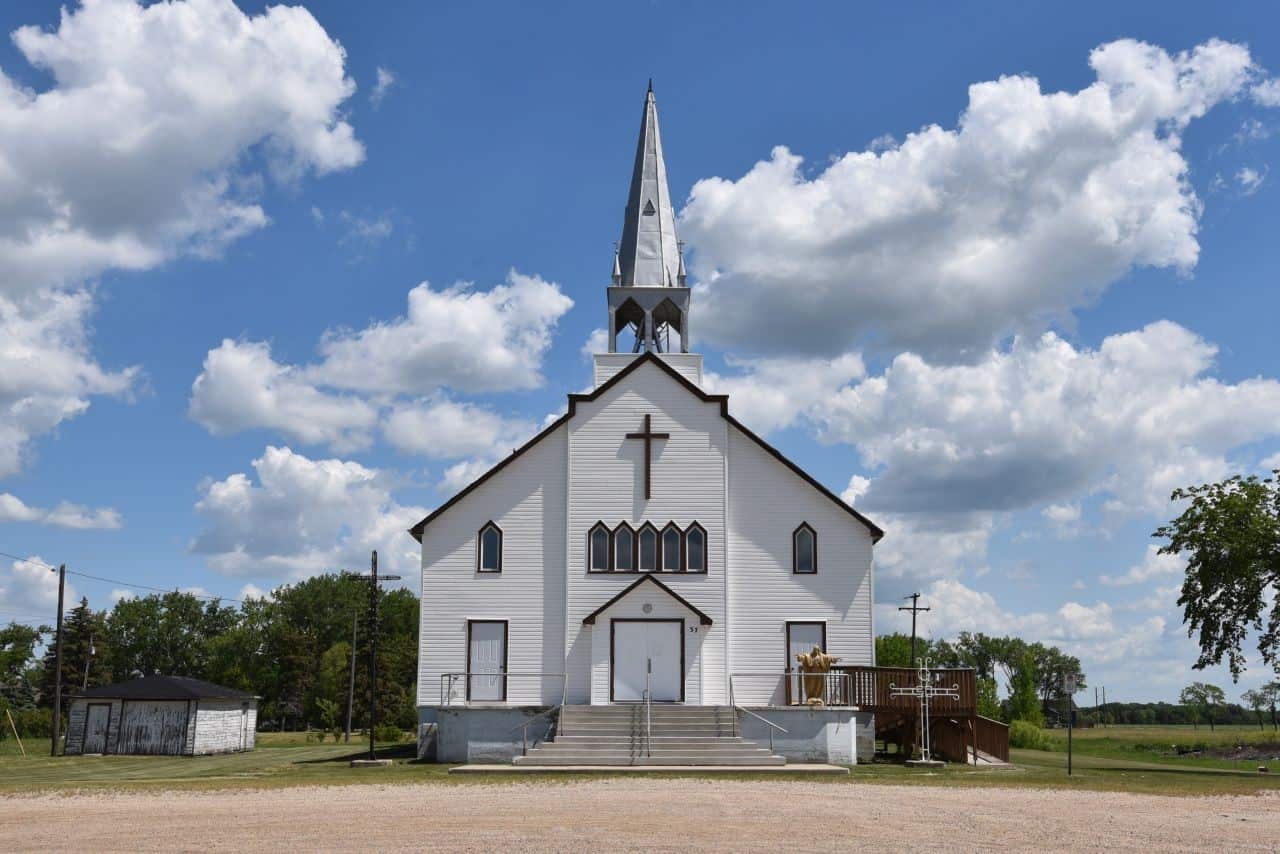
(679, 736)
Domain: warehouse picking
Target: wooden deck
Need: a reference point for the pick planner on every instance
(958, 731)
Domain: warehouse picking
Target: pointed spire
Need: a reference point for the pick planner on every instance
(649, 255)
(682, 277)
(617, 270)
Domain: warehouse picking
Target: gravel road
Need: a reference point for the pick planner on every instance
(631, 814)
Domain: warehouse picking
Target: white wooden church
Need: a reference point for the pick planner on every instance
(646, 567)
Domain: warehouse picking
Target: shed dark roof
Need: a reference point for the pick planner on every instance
(165, 688)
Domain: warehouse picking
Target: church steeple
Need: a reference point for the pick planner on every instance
(649, 295)
(648, 253)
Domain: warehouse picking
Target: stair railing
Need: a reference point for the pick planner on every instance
(734, 708)
(648, 714)
(524, 725)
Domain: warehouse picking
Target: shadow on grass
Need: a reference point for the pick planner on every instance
(402, 752)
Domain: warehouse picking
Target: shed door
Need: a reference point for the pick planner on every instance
(244, 726)
(153, 727)
(97, 721)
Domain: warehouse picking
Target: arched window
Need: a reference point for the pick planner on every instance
(624, 548)
(695, 549)
(648, 558)
(598, 548)
(489, 549)
(671, 548)
(804, 550)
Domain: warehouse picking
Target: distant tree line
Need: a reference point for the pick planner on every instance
(1032, 672)
(292, 649)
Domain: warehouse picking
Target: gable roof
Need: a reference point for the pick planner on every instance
(591, 618)
(165, 688)
(655, 359)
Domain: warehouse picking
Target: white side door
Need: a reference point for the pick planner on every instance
(486, 653)
(802, 637)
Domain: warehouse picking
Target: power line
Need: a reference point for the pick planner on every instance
(118, 581)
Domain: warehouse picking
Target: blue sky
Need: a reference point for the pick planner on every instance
(176, 184)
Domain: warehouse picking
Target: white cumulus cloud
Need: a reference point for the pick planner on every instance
(64, 515)
(296, 517)
(1032, 205)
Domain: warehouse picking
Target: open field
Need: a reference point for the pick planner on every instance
(633, 814)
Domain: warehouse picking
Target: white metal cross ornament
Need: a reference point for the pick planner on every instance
(926, 689)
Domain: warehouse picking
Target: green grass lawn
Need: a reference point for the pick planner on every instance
(1113, 759)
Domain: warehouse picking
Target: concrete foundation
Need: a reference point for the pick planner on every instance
(839, 736)
(478, 733)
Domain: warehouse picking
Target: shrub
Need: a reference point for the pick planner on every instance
(1028, 736)
(387, 732)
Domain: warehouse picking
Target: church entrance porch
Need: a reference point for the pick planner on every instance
(646, 659)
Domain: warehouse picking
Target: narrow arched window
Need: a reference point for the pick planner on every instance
(695, 549)
(489, 549)
(804, 550)
(624, 548)
(648, 560)
(671, 548)
(598, 548)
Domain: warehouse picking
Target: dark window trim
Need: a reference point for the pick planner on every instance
(795, 552)
(590, 619)
(613, 643)
(608, 558)
(480, 548)
(635, 549)
(506, 654)
(657, 548)
(791, 665)
(662, 548)
(706, 549)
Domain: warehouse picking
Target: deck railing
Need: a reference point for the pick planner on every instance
(869, 690)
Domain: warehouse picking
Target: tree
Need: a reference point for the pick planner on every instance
(1052, 665)
(895, 651)
(1256, 700)
(988, 702)
(1203, 697)
(1230, 536)
(1024, 701)
(83, 640)
(18, 643)
(168, 633)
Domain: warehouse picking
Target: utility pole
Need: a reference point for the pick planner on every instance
(84, 686)
(914, 609)
(351, 686)
(373, 579)
(1104, 705)
(57, 665)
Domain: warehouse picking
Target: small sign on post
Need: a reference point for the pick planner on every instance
(1070, 683)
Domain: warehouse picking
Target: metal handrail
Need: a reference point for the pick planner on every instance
(448, 680)
(734, 708)
(648, 716)
(524, 726)
(844, 680)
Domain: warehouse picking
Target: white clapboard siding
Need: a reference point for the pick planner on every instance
(607, 484)
(224, 726)
(631, 606)
(767, 502)
(687, 365)
(526, 499)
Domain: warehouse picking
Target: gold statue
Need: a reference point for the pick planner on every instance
(813, 669)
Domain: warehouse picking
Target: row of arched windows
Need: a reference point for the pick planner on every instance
(627, 549)
(646, 549)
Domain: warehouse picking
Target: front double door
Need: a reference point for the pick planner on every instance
(652, 649)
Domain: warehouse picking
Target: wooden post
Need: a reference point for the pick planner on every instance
(14, 727)
(57, 665)
(351, 685)
(373, 652)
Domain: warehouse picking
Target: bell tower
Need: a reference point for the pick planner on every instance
(648, 295)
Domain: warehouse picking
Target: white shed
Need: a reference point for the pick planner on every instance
(161, 715)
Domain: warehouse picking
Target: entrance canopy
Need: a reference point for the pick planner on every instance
(590, 619)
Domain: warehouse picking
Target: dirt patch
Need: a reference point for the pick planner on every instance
(632, 815)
